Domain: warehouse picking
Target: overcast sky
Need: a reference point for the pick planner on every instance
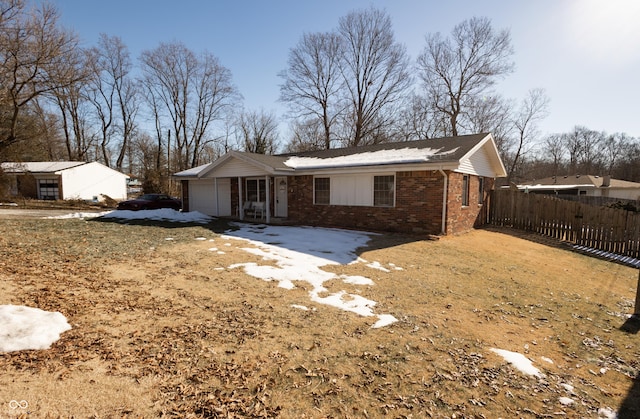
(584, 53)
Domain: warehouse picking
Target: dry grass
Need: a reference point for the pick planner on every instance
(162, 328)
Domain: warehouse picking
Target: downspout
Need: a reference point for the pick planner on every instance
(444, 202)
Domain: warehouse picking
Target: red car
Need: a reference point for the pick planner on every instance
(151, 201)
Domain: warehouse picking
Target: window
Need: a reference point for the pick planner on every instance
(321, 191)
(383, 191)
(256, 190)
(480, 190)
(465, 190)
(48, 189)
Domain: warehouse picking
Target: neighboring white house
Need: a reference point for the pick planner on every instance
(65, 180)
(586, 185)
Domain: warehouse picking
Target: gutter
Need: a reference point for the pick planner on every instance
(443, 229)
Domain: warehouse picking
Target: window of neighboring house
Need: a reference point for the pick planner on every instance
(383, 191)
(480, 190)
(48, 189)
(256, 190)
(465, 190)
(321, 191)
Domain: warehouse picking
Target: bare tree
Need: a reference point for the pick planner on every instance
(375, 71)
(459, 71)
(533, 109)
(258, 132)
(76, 127)
(36, 57)
(193, 92)
(312, 81)
(306, 135)
(113, 94)
(614, 147)
(554, 149)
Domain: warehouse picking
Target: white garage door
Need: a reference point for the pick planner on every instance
(202, 197)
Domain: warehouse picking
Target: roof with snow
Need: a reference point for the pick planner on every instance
(39, 166)
(577, 181)
(449, 153)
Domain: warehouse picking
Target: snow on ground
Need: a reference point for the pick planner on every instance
(80, 215)
(519, 361)
(300, 253)
(164, 214)
(23, 328)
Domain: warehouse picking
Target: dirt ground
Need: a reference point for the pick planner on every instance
(162, 327)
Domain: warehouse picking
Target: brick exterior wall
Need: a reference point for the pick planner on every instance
(418, 206)
(463, 218)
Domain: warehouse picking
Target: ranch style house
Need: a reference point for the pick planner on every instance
(437, 186)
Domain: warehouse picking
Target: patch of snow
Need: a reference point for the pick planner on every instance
(299, 253)
(607, 413)
(566, 401)
(378, 266)
(299, 307)
(23, 328)
(384, 320)
(201, 238)
(79, 215)
(545, 359)
(348, 302)
(567, 387)
(356, 280)
(519, 361)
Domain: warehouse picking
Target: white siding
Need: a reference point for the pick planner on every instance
(91, 180)
(477, 164)
(352, 190)
(237, 168)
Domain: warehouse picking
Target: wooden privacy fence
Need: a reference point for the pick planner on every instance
(602, 228)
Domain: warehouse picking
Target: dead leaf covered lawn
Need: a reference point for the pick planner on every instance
(164, 328)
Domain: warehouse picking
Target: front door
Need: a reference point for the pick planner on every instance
(281, 197)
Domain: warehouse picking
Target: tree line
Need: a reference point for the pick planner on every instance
(172, 108)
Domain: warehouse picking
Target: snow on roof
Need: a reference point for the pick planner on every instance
(194, 171)
(553, 187)
(39, 166)
(380, 157)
